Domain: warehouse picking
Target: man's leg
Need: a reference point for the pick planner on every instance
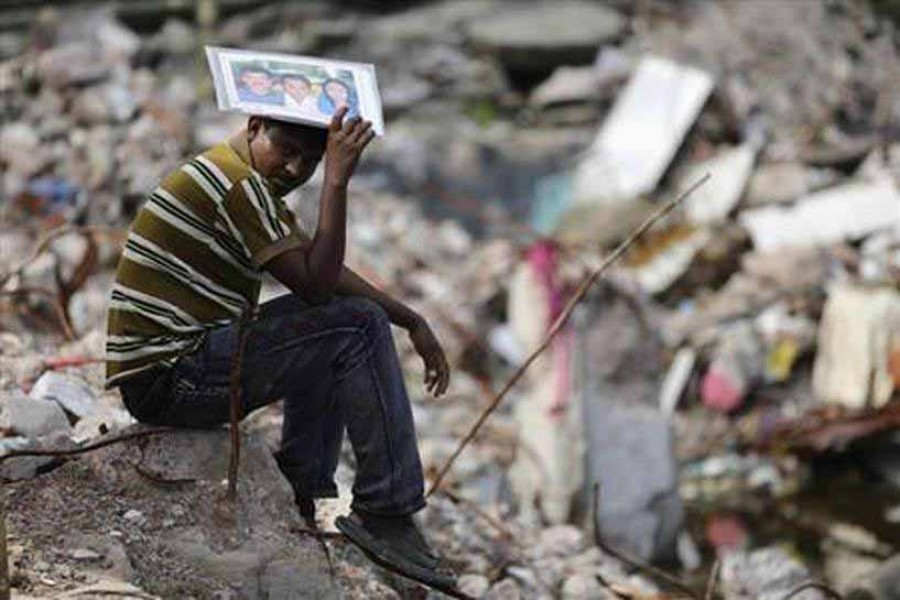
(334, 364)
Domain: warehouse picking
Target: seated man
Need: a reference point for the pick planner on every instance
(192, 266)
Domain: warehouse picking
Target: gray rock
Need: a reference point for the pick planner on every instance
(765, 574)
(582, 586)
(473, 585)
(629, 443)
(26, 467)
(32, 417)
(547, 34)
(506, 589)
(73, 395)
(883, 583)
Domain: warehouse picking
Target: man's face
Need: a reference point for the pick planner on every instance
(278, 154)
(298, 89)
(258, 82)
(338, 93)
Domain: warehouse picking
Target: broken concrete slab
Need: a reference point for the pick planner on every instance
(782, 182)
(628, 443)
(858, 334)
(567, 85)
(73, 395)
(645, 127)
(32, 417)
(713, 202)
(846, 212)
(548, 34)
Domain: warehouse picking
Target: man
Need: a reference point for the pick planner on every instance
(192, 266)
(256, 84)
(298, 95)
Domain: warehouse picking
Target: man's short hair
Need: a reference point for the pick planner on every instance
(253, 68)
(297, 76)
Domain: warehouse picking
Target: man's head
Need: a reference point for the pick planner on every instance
(283, 149)
(296, 86)
(257, 79)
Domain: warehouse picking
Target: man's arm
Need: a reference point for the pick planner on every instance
(352, 284)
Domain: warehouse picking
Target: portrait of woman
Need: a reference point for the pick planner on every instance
(336, 93)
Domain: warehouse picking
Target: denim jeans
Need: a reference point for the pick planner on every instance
(335, 366)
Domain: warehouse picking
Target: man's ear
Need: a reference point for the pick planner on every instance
(254, 126)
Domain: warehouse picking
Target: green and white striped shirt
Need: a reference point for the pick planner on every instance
(192, 259)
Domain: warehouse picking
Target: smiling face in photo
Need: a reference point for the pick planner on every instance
(297, 88)
(257, 82)
(337, 93)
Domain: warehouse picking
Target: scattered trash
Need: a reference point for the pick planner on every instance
(846, 212)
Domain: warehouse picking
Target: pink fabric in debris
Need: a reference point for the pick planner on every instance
(543, 257)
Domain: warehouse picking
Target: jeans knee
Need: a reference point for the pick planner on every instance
(371, 311)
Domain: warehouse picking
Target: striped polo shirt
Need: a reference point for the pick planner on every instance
(192, 259)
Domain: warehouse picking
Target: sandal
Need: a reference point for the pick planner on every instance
(396, 557)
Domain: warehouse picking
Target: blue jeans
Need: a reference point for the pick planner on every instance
(335, 366)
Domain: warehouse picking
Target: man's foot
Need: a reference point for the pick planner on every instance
(401, 531)
(397, 544)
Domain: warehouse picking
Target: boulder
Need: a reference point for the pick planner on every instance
(164, 499)
(73, 395)
(32, 417)
(547, 34)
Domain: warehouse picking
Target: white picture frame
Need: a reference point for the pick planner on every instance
(302, 89)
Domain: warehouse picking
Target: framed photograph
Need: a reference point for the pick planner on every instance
(303, 89)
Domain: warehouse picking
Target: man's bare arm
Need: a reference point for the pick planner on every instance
(290, 268)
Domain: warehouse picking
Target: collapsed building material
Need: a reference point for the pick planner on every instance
(550, 423)
(765, 574)
(846, 212)
(731, 168)
(645, 127)
(628, 443)
(782, 182)
(546, 35)
(858, 336)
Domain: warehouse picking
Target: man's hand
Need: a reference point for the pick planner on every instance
(346, 141)
(437, 371)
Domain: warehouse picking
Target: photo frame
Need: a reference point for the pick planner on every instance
(301, 89)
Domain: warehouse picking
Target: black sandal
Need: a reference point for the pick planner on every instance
(384, 555)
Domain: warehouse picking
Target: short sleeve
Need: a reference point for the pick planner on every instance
(257, 220)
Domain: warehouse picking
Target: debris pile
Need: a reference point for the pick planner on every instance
(750, 335)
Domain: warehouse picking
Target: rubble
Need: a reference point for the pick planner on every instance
(568, 32)
(642, 132)
(32, 417)
(857, 338)
(846, 212)
(748, 331)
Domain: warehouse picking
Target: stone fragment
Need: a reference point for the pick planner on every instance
(73, 395)
(473, 585)
(548, 34)
(505, 589)
(32, 417)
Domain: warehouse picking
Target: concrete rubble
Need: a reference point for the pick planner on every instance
(744, 342)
